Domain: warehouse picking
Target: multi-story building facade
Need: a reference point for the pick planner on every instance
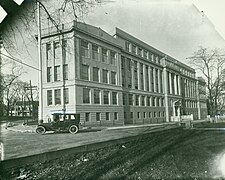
(113, 80)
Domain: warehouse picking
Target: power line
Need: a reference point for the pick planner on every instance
(20, 61)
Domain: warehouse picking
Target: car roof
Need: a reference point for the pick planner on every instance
(66, 113)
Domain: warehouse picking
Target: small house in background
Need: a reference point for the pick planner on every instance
(25, 109)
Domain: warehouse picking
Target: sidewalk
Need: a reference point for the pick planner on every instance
(20, 128)
(32, 128)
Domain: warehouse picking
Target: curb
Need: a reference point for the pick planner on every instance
(103, 128)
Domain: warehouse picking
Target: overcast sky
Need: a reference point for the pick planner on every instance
(175, 27)
(215, 11)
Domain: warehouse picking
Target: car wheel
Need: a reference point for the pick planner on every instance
(40, 130)
(73, 129)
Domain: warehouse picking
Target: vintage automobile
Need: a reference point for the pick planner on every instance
(60, 122)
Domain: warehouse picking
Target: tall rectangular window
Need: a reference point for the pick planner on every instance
(96, 74)
(104, 55)
(138, 115)
(162, 101)
(49, 74)
(157, 101)
(114, 97)
(84, 72)
(107, 116)
(86, 95)
(134, 49)
(65, 50)
(113, 58)
(130, 99)
(172, 83)
(94, 52)
(148, 101)
(129, 75)
(98, 116)
(105, 75)
(153, 101)
(147, 78)
(139, 51)
(123, 71)
(141, 76)
(49, 97)
(143, 100)
(152, 78)
(144, 114)
(137, 100)
(113, 77)
(65, 71)
(96, 96)
(57, 73)
(57, 96)
(157, 80)
(124, 98)
(66, 95)
(135, 75)
(161, 81)
(106, 97)
(115, 115)
(127, 46)
(168, 83)
(84, 48)
(48, 54)
(145, 54)
(57, 50)
(87, 117)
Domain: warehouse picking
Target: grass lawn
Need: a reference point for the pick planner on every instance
(171, 154)
(210, 125)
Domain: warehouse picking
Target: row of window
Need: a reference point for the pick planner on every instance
(57, 53)
(141, 76)
(190, 88)
(187, 73)
(191, 104)
(96, 74)
(146, 114)
(57, 73)
(130, 47)
(141, 100)
(56, 96)
(97, 52)
(98, 116)
(97, 96)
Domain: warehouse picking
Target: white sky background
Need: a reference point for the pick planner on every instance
(214, 10)
(170, 42)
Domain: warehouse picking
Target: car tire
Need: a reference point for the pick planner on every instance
(73, 129)
(40, 130)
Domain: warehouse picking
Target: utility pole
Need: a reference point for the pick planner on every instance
(1, 79)
(30, 87)
(40, 63)
(64, 80)
(32, 100)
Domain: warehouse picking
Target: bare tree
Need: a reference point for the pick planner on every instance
(8, 85)
(211, 63)
(19, 28)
